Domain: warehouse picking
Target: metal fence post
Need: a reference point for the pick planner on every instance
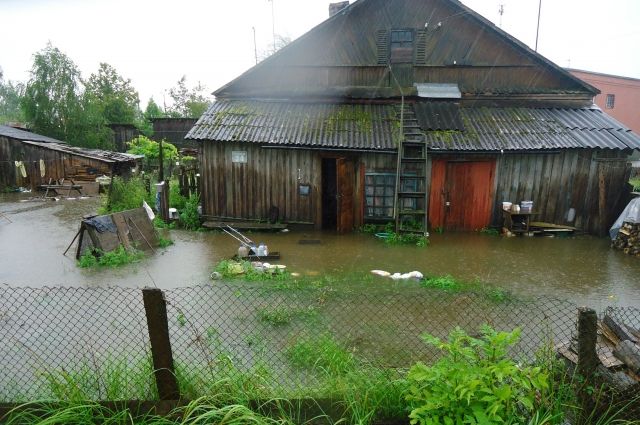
(587, 360)
(156, 311)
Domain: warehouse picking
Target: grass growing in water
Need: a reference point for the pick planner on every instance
(116, 258)
(164, 242)
(280, 316)
(450, 284)
(230, 269)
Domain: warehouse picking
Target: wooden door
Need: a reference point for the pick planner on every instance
(345, 173)
(461, 194)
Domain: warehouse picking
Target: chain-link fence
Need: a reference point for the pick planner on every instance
(275, 340)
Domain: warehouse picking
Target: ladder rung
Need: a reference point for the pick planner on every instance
(412, 194)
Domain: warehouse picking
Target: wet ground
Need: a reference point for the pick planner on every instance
(581, 269)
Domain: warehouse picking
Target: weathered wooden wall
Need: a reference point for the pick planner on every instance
(57, 165)
(173, 131)
(271, 178)
(122, 134)
(593, 182)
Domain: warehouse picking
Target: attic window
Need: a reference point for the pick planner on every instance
(401, 46)
(611, 100)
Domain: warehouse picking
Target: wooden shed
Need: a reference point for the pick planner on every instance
(45, 158)
(410, 110)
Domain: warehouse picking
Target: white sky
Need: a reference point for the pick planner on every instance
(155, 42)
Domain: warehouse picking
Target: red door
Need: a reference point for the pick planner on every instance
(461, 194)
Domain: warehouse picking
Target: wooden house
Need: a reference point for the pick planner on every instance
(173, 131)
(45, 158)
(410, 110)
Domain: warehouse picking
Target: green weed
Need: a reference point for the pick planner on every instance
(475, 382)
(159, 223)
(126, 195)
(445, 283)
(230, 269)
(189, 217)
(164, 242)
(280, 316)
(635, 183)
(116, 258)
(322, 353)
(489, 231)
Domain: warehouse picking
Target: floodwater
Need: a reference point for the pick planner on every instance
(581, 269)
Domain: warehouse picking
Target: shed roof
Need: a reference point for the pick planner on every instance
(376, 126)
(38, 140)
(16, 133)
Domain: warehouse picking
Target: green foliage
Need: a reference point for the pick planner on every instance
(322, 353)
(446, 283)
(10, 94)
(475, 382)
(489, 231)
(635, 183)
(51, 101)
(230, 269)
(176, 200)
(164, 242)
(116, 258)
(279, 316)
(188, 102)
(189, 217)
(125, 195)
(369, 228)
(142, 145)
(114, 97)
(159, 223)
(407, 239)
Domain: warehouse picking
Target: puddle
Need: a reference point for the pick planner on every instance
(582, 269)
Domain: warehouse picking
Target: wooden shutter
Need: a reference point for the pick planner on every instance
(421, 47)
(382, 43)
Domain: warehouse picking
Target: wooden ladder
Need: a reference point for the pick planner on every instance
(411, 204)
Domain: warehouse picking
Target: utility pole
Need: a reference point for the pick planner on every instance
(273, 26)
(501, 12)
(538, 28)
(255, 45)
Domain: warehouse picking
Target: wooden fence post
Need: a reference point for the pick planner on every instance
(587, 361)
(156, 311)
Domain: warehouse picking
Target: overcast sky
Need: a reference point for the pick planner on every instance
(155, 42)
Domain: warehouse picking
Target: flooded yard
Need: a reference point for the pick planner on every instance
(582, 269)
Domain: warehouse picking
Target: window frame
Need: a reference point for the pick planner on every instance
(376, 202)
(610, 101)
(402, 51)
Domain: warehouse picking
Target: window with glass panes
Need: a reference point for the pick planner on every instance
(379, 189)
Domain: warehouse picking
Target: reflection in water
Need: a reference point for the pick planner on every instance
(582, 269)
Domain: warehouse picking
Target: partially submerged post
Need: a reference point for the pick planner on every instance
(587, 360)
(156, 311)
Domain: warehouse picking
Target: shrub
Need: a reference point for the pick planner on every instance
(142, 145)
(125, 195)
(189, 216)
(116, 258)
(474, 383)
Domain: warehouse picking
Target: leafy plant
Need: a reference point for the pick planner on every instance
(142, 145)
(446, 283)
(125, 194)
(164, 242)
(635, 183)
(322, 353)
(116, 258)
(475, 382)
(189, 216)
(489, 231)
(416, 239)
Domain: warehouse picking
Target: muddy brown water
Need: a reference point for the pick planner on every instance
(581, 269)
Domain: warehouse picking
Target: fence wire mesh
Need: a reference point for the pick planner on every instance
(279, 337)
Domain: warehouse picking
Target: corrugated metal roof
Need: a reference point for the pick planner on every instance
(532, 129)
(375, 126)
(438, 116)
(438, 90)
(16, 133)
(97, 154)
(348, 126)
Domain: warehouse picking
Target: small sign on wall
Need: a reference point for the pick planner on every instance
(239, 157)
(304, 189)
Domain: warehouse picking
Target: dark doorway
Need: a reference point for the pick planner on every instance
(329, 194)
